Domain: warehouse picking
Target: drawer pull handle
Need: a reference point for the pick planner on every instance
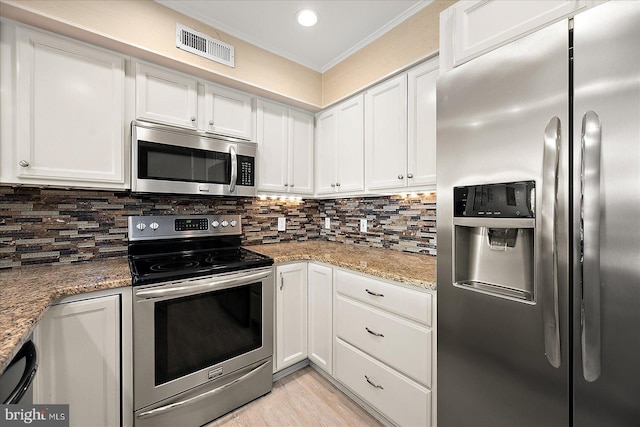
(373, 384)
(374, 333)
(373, 293)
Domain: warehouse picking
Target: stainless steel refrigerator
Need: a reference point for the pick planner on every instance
(538, 221)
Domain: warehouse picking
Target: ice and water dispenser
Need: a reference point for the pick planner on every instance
(494, 233)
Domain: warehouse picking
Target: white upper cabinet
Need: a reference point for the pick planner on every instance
(421, 130)
(68, 124)
(228, 112)
(340, 148)
(400, 131)
(170, 97)
(471, 28)
(386, 134)
(166, 96)
(285, 149)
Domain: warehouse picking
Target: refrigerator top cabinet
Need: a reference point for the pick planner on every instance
(538, 318)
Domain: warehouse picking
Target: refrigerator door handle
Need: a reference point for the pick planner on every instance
(590, 227)
(547, 267)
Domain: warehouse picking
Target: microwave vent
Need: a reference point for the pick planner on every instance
(205, 46)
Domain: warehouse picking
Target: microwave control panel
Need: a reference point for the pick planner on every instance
(246, 171)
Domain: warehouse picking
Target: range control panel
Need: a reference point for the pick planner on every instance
(504, 200)
(180, 226)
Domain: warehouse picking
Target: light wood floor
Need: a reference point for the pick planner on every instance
(304, 398)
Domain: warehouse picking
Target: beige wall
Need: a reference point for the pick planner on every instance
(408, 43)
(145, 29)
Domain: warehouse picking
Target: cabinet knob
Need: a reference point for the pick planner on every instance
(409, 175)
(333, 185)
(193, 118)
(291, 186)
(337, 184)
(211, 122)
(286, 185)
(400, 176)
(23, 163)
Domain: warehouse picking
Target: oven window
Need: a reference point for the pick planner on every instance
(172, 163)
(194, 332)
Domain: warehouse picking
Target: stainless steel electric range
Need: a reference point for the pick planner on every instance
(202, 319)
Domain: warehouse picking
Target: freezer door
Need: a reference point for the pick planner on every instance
(607, 197)
(503, 118)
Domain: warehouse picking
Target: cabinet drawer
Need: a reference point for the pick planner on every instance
(402, 345)
(400, 399)
(412, 304)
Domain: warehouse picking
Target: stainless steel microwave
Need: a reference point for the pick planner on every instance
(167, 159)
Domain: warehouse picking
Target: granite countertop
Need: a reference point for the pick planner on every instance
(26, 292)
(410, 269)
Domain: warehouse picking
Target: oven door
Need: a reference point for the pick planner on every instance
(190, 332)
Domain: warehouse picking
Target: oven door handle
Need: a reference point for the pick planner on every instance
(150, 294)
(194, 399)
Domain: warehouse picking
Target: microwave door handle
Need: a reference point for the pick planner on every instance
(234, 169)
(590, 216)
(548, 265)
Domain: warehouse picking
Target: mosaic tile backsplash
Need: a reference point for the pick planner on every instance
(42, 226)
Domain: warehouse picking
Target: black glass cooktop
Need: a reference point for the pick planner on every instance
(159, 267)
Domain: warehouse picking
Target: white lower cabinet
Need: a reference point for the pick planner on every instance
(291, 315)
(385, 346)
(79, 360)
(402, 400)
(386, 337)
(321, 316)
(374, 337)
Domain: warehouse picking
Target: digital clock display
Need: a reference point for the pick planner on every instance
(191, 224)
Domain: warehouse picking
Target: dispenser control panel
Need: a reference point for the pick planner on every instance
(503, 200)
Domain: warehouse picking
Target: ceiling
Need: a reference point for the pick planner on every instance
(344, 26)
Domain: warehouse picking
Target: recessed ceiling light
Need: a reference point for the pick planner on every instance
(307, 17)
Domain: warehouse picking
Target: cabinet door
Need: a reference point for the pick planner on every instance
(350, 145)
(291, 314)
(79, 360)
(421, 147)
(321, 316)
(228, 112)
(386, 134)
(272, 146)
(166, 96)
(300, 152)
(471, 28)
(326, 148)
(69, 113)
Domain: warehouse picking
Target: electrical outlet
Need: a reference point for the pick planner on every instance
(282, 224)
(327, 222)
(363, 225)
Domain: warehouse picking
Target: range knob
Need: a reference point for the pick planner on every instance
(154, 226)
(233, 223)
(141, 226)
(215, 224)
(225, 223)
